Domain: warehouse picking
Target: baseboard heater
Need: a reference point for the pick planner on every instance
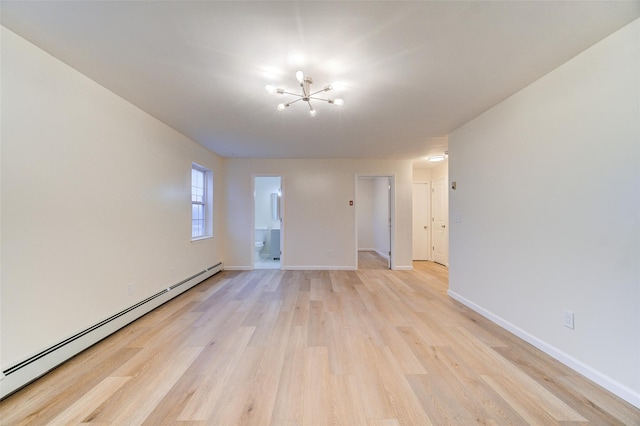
(25, 372)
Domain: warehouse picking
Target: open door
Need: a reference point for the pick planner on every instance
(374, 216)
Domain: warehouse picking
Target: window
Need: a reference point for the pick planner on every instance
(201, 202)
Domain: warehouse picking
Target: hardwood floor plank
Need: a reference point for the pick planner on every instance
(438, 402)
(383, 422)
(591, 398)
(301, 316)
(272, 347)
(218, 364)
(317, 392)
(317, 333)
(63, 386)
(358, 318)
(274, 281)
(512, 381)
(235, 403)
(449, 391)
(402, 353)
(289, 402)
(525, 407)
(218, 325)
(265, 315)
(138, 397)
(346, 404)
(477, 396)
(174, 402)
(584, 396)
(337, 345)
(209, 289)
(406, 405)
(77, 412)
(316, 291)
(375, 399)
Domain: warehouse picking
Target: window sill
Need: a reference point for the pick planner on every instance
(201, 239)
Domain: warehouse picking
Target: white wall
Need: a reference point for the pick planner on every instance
(95, 195)
(319, 225)
(421, 175)
(440, 171)
(549, 200)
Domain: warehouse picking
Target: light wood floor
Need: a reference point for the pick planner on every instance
(369, 347)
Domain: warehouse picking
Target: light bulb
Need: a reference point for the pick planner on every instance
(300, 76)
(338, 102)
(270, 88)
(281, 107)
(312, 112)
(328, 87)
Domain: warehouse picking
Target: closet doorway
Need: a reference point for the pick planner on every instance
(267, 229)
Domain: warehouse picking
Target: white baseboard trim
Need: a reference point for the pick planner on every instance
(37, 365)
(385, 255)
(613, 386)
(319, 268)
(238, 268)
(402, 268)
(366, 249)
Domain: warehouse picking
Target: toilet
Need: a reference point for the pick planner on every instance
(259, 242)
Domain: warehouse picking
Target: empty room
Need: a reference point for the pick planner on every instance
(312, 212)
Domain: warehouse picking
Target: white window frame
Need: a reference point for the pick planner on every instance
(206, 203)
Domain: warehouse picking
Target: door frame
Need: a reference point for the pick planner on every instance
(392, 215)
(253, 215)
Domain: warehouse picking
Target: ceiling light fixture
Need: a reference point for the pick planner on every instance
(306, 96)
(436, 158)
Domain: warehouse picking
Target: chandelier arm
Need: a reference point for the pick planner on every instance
(315, 93)
(318, 99)
(289, 93)
(293, 102)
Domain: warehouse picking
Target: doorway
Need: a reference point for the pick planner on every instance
(374, 217)
(268, 223)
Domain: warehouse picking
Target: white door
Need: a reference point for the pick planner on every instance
(439, 222)
(421, 221)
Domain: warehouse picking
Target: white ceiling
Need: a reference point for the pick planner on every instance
(412, 71)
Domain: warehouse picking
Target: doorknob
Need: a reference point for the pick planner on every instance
(425, 227)
(443, 226)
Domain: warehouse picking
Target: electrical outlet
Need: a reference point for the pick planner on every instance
(567, 319)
